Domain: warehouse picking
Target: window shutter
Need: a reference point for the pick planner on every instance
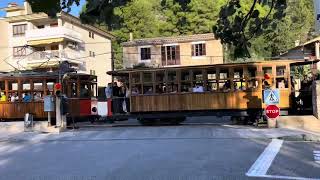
(177, 55)
(204, 49)
(163, 56)
(192, 50)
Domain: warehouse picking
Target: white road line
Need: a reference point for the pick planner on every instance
(263, 163)
(316, 155)
(286, 177)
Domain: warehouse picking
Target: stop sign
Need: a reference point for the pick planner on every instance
(272, 111)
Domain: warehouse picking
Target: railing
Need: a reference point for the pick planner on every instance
(52, 32)
(55, 55)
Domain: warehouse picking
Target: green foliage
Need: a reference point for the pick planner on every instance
(248, 28)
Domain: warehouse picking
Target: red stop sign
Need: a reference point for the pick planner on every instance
(58, 86)
(272, 111)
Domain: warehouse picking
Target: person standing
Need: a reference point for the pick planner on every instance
(108, 91)
(115, 89)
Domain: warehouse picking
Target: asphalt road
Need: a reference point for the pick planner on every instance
(144, 153)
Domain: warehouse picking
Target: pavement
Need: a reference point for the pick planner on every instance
(162, 152)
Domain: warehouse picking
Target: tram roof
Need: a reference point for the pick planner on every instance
(123, 72)
(24, 74)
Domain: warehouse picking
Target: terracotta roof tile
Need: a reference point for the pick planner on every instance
(168, 40)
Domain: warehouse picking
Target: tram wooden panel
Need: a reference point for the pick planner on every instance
(203, 101)
(19, 109)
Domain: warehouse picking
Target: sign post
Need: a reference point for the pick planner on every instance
(272, 99)
(272, 112)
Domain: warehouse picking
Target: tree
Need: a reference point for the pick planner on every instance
(237, 25)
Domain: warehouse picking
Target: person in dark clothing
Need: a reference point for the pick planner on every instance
(115, 90)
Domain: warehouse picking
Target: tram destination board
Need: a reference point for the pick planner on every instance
(272, 111)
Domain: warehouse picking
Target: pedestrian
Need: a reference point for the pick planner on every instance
(108, 91)
(115, 89)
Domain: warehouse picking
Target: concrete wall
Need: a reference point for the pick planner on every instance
(4, 46)
(214, 55)
(101, 46)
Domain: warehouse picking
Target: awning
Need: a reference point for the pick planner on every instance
(45, 41)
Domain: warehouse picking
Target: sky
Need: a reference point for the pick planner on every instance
(4, 3)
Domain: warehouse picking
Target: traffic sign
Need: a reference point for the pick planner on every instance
(272, 111)
(271, 96)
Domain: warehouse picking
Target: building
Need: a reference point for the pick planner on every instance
(4, 66)
(199, 49)
(35, 41)
(308, 51)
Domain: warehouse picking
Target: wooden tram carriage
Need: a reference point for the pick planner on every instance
(235, 89)
(81, 90)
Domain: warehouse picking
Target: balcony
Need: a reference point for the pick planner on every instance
(52, 58)
(51, 35)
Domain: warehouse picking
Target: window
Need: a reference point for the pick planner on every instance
(40, 27)
(224, 81)
(239, 83)
(199, 49)
(145, 53)
(91, 34)
(92, 72)
(54, 25)
(19, 51)
(19, 30)
(212, 80)
(92, 54)
(253, 83)
(170, 55)
(281, 79)
(54, 47)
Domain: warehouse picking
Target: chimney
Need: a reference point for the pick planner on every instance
(27, 7)
(12, 4)
(131, 36)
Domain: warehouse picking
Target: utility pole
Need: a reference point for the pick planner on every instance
(112, 64)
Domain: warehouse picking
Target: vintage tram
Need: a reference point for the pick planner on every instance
(170, 94)
(24, 92)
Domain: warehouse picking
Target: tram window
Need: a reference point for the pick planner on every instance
(186, 87)
(2, 85)
(13, 97)
(173, 88)
(38, 86)
(281, 70)
(267, 70)
(148, 89)
(84, 91)
(197, 76)
(224, 85)
(252, 71)
(212, 86)
(224, 74)
(172, 75)
(136, 77)
(136, 90)
(13, 86)
(253, 84)
(50, 85)
(160, 76)
(38, 96)
(239, 84)
(26, 86)
(282, 83)
(94, 90)
(238, 73)
(185, 75)
(161, 88)
(74, 92)
(211, 74)
(147, 77)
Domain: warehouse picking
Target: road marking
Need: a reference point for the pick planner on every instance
(316, 155)
(263, 163)
(286, 177)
